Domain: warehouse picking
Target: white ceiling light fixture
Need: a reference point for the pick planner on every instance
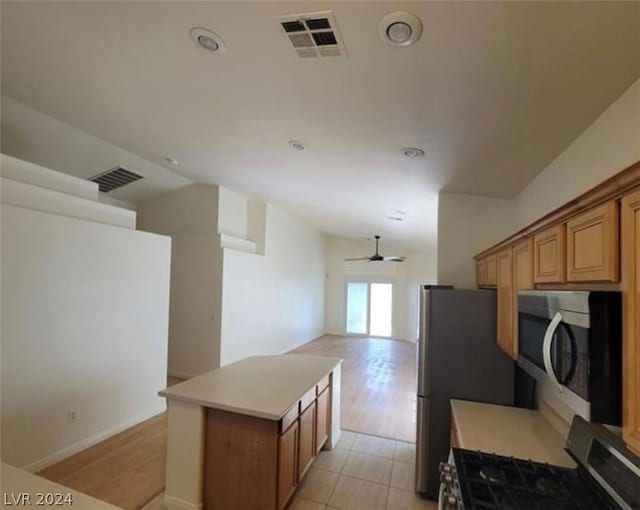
(400, 29)
(171, 161)
(413, 152)
(208, 40)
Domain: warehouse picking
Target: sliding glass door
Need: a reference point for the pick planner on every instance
(369, 308)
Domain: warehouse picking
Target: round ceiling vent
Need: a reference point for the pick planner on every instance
(400, 29)
(208, 40)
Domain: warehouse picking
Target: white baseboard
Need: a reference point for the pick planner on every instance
(49, 460)
(181, 375)
(171, 503)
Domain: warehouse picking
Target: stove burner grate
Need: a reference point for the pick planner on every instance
(494, 482)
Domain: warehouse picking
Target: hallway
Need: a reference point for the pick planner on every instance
(378, 383)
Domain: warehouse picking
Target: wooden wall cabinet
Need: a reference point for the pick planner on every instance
(506, 302)
(492, 271)
(592, 245)
(549, 255)
(523, 265)
(487, 272)
(630, 233)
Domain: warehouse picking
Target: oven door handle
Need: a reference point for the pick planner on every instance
(546, 349)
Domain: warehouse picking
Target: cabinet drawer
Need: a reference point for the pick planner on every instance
(307, 399)
(289, 418)
(324, 382)
(592, 245)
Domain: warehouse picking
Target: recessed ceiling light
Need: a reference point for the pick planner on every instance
(298, 145)
(395, 218)
(208, 40)
(171, 161)
(400, 29)
(413, 152)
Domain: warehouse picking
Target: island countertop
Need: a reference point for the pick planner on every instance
(260, 386)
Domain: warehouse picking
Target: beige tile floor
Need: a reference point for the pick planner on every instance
(363, 473)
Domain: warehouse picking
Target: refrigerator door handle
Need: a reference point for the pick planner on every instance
(423, 345)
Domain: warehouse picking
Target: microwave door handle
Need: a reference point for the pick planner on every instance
(546, 348)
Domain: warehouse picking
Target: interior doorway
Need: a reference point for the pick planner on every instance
(369, 309)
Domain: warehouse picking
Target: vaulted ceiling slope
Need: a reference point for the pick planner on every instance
(493, 91)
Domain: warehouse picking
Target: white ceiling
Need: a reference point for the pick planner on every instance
(492, 92)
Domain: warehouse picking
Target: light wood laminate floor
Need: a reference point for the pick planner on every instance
(378, 383)
(126, 470)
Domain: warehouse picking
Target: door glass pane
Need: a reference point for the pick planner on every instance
(357, 307)
(380, 321)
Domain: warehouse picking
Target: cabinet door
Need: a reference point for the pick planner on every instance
(523, 265)
(506, 305)
(592, 245)
(631, 320)
(287, 464)
(322, 420)
(492, 271)
(307, 443)
(549, 256)
(481, 272)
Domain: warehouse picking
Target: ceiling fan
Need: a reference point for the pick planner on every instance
(376, 257)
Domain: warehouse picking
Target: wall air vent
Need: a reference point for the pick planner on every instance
(114, 179)
(313, 35)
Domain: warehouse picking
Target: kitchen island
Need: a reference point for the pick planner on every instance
(244, 435)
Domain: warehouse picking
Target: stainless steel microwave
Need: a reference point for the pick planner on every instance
(575, 340)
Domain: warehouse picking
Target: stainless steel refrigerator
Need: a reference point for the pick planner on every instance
(458, 357)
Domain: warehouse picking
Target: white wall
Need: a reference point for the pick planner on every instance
(274, 302)
(420, 267)
(190, 216)
(468, 224)
(609, 145)
(84, 329)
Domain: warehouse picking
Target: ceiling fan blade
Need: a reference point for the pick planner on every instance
(360, 258)
(394, 259)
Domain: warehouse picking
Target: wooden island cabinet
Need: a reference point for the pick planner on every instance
(245, 435)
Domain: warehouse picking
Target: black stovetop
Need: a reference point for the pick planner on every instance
(489, 481)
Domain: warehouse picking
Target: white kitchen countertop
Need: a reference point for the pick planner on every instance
(15, 481)
(509, 431)
(261, 386)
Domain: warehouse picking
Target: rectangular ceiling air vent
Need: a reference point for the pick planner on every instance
(114, 179)
(313, 34)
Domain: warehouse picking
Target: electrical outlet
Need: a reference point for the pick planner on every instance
(71, 417)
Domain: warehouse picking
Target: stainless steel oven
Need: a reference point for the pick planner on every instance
(575, 340)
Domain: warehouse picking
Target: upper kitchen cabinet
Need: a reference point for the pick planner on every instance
(592, 245)
(523, 265)
(630, 233)
(506, 302)
(487, 272)
(549, 255)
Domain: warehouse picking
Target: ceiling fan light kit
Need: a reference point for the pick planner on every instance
(376, 257)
